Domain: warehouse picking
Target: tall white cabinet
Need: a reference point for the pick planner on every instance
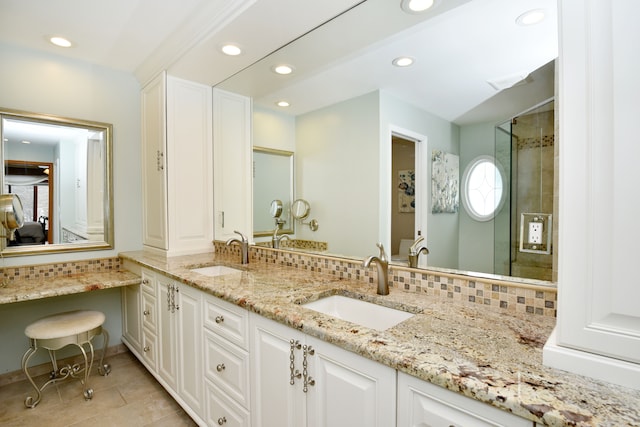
(598, 328)
(177, 166)
(232, 167)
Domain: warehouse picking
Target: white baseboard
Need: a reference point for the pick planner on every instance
(592, 365)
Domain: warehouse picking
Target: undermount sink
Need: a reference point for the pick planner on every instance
(215, 270)
(364, 313)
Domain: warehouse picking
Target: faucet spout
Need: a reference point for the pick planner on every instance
(243, 242)
(415, 251)
(382, 265)
(275, 240)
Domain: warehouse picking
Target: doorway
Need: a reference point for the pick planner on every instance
(403, 195)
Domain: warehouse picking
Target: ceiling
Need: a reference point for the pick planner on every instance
(458, 46)
(462, 50)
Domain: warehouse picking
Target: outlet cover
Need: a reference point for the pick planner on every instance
(535, 233)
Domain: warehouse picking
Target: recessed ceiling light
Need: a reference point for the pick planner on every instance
(231, 50)
(403, 61)
(282, 104)
(416, 6)
(531, 17)
(60, 41)
(283, 69)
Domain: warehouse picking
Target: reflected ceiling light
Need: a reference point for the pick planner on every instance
(402, 61)
(531, 17)
(25, 142)
(416, 6)
(60, 41)
(283, 69)
(231, 50)
(282, 104)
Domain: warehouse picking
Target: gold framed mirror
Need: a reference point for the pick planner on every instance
(61, 168)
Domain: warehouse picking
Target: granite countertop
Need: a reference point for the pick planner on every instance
(491, 356)
(45, 287)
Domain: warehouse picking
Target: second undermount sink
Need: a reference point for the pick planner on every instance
(215, 270)
(364, 313)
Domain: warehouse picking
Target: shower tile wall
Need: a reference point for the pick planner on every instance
(533, 175)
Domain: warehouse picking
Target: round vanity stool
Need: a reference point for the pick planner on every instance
(60, 330)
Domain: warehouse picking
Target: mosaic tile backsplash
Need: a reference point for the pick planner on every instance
(521, 298)
(39, 271)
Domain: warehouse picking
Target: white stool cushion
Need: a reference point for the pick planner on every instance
(64, 324)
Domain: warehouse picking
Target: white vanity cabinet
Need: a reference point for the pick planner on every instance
(169, 322)
(232, 164)
(421, 403)
(226, 363)
(177, 165)
(298, 380)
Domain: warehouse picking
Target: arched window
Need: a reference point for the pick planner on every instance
(483, 191)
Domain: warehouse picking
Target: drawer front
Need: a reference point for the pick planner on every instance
(148, 282)
(227, 320)
(149, 349)
(149, 319)
(222, 410)
(227, 366)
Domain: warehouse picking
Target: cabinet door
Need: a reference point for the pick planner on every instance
(424, 404)
(189, 339)
(275, 402)
(131, 322)
(232, 163)
(189, 167)
(154, 185)
(348, 390)
(167, 348)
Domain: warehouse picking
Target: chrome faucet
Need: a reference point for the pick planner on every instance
(244, 246)
(275, 240)
(382, 263)
(415, 251)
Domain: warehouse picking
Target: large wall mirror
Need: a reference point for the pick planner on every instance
(61, 170)
(476, 66)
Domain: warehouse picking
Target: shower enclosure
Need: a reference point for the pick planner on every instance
(525, 146)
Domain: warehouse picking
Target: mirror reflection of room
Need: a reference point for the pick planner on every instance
(58, 171)
(343, 145)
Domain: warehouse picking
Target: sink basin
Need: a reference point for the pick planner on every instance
(216, 270)
(364, 313)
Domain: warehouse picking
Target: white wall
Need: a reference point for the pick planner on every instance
(337, 158)
(476, 237)
(442, 229)
(273, 130)
(45, 83)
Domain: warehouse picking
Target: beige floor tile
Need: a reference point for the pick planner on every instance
(128, 396)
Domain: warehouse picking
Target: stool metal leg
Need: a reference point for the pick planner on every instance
(29, 402)
(104, 369)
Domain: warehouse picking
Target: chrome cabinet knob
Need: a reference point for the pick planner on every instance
(220, 367)
(146, 312)
(222, 420)
(146, 349)
(219, 319)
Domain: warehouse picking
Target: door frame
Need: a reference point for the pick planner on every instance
(422, 192)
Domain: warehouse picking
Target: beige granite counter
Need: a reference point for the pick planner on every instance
(27, 289)
(490, 355)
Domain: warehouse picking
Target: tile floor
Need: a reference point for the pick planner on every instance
(128, 396)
